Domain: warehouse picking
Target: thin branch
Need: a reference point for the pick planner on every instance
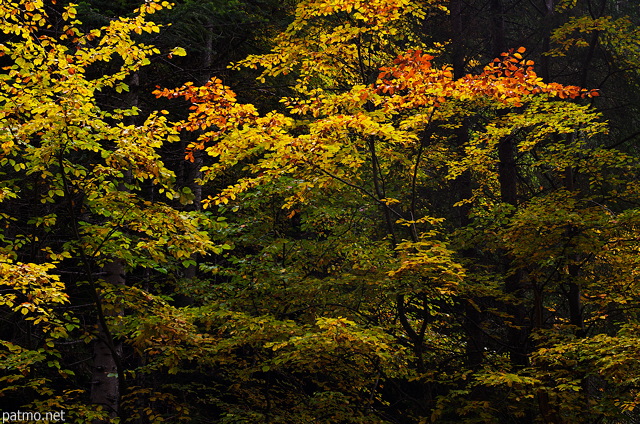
(427, 136)
(357, 187)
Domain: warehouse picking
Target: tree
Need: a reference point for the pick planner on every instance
(422, 232)
(82, 201)
(377, 146)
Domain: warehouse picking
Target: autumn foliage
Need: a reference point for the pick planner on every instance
(401, 240)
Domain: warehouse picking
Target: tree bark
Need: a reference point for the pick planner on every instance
(462, 187)
(106, 381)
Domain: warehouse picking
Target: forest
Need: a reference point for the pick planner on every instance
(320, 211)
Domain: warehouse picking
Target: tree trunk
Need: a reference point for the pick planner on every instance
(106, 381)
(462, 187)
